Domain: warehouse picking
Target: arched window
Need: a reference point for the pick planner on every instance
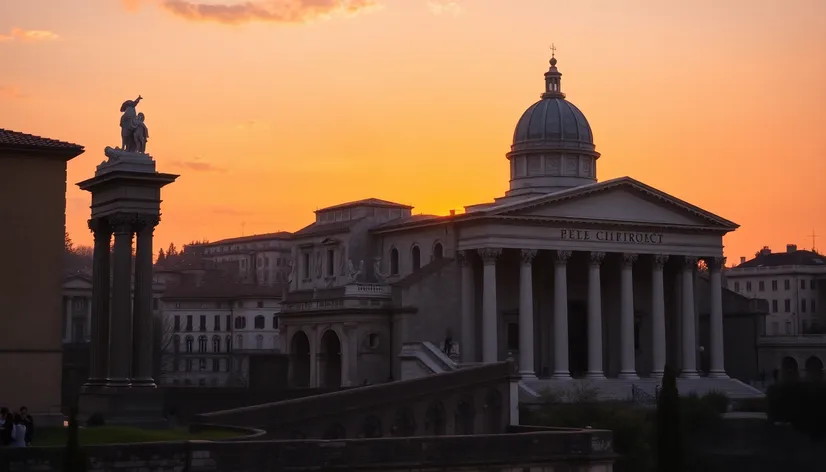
(260, 322)
(239, 342)
(438, 251)
(259, 342)
(274, 321)
(416, 256)
(189, 341)
(229, 343)
(202, 343)
(216, 344)
(394, 261)
(176, 344)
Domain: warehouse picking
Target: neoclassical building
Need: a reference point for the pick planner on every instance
(570, 276)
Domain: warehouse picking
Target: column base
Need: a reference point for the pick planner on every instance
(690, 374)
(561, 376)
(93, 382)
(628, 376)
(718, 374)
(144, 383)
(657, 374)
(528, 375)
(117, 382)
(595, 375)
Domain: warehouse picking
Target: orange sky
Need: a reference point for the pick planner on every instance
(272, 109)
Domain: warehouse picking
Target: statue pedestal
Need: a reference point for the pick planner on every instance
(134, 407)
(120, 160)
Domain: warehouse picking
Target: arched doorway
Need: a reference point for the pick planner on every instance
(464, 419)
(814, 368)
(404, 424)
(371, 428)
(789, 370)
(334, 431)
(578, 338)
(435, 420)
(330, 359)
(493, 412)
(300, 360)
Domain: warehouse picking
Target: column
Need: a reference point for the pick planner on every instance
(67, 320)
(313, 335)
(595, 317)
(99, 347)
(88, 329)
(658, 316)
(143, 346)
(349, 354)
(467, 347)
(561, 368)
(689, 335)
(526, 348)
(718, 368)
(120, 347)
(490, 325)
(628, 369)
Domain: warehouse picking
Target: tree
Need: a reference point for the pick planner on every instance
(68, 245)
(164, 357)
(171, 251)
(161, 256)
(668, 437)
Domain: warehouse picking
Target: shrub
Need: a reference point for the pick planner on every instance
(717, 401)
(669, 438)
(95, 419)
(74, 460)
(801, 404)
(751, 405)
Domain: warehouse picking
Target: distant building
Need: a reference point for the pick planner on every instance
(32, 212)
(260, 259)
(794, 284)
(212, 328)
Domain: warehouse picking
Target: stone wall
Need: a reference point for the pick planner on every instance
(558, 450)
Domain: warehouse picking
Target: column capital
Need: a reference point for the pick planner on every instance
(660, 260)
(489, 255)
(122, 223)
(596, 258)
(715, 263)
(528, 256)
(562, 257)
(463, 257)
(99, 227)
(141, 223)
(628, 259)
(689, 262)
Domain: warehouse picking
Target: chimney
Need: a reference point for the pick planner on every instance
(791, 247)
(742, 259)
(452, 212)
(765, 251)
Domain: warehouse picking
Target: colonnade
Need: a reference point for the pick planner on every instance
(70, 317)
(561, 368)
(121, 334)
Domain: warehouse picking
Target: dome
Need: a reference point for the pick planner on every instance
(553, 145)
(553, 123)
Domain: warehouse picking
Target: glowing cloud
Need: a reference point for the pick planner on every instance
(198, 165)
(275, 11)
(445, 7)
(28, 36)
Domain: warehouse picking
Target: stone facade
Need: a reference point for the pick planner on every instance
(32, 211)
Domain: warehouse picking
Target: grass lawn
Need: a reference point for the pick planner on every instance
(118, 434)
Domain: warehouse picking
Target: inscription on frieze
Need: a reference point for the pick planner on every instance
(608, 236)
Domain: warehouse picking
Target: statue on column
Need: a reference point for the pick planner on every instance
(133, 130)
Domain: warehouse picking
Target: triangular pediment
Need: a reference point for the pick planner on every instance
(77, 282)
(618, 200)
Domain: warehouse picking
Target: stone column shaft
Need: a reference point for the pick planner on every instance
(468, 333)
(142, 317)
(526, 345)
(628, 369)
(99, 335)
(595, 370)
(88, 329)
(562, 368)
(490, 325)
(313, 357)
(689, 335)
(120, 347)
(718, 368)
(67, 333)
(658, 334)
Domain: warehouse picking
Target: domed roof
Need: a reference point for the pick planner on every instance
(552, 122)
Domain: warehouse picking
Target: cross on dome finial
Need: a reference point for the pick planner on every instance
(553, 55)
(553, 78)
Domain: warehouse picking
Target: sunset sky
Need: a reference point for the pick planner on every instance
(272, 109)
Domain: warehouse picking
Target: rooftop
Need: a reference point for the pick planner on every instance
(284, 235)
(792, 257)
(14, 140)
(376, 202)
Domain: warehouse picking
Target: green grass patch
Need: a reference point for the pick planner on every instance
(124, 435)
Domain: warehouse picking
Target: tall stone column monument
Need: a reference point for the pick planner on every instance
(126, 207)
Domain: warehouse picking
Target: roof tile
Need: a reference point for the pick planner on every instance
(10, 138)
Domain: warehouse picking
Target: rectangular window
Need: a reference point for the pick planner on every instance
(177, 324)
(814, 307)
(331, 261)
(189, 365)
(513, 336)
(216, 323)
(274, 321)
(216, 365)
(812, 284)
(775, 329)
(202, 322)
(787, 284)
(201, 364)
(803, 306)
(802, 284)
(761, 286)
(787, 305)
(748, 286)
(736, 286)
(306, 265)
(229, 322)
(788, 327)
(774, 285)
(774, 306)
(189, 322)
